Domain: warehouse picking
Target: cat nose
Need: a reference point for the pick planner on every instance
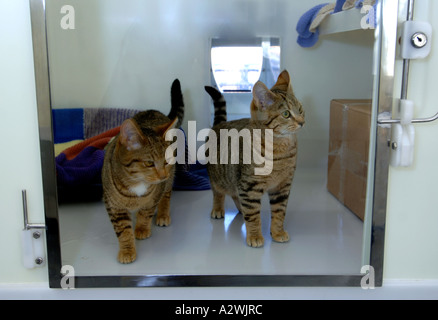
(162, 174)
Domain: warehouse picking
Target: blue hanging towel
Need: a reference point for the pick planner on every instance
(306, 38)
(339, 5)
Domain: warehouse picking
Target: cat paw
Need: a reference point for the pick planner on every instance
(127, 256)
(141, 233)
(282, 236)
(217, 214)
(255, 241)
(163, 221)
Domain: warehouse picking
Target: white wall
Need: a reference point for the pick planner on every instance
(20, 166)
(412, 214)
(412, 220)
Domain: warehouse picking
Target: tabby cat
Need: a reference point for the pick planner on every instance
(277, 109)
(136, 176)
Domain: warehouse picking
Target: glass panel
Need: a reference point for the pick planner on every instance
(236, 68)
(238, 64)
(111, 59)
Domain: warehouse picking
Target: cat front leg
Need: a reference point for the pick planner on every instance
(163, 214)
(218, 211)
(278, 199)
(249, 196)
(123, 228)
(144, 223)
(251, 214)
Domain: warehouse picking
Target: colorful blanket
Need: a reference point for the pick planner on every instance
(82, 163)
(85, 123)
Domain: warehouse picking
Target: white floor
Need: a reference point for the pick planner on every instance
(326, 238)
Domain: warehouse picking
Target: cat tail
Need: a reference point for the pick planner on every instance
(220, 105)
(177, 103)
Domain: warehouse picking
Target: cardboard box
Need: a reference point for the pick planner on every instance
(348, 152)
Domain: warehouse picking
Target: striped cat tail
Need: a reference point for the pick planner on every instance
(177, 103)
(220, 105)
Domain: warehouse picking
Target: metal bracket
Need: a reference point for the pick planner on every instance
(403, 133)
(33, 244)
(27, 225)
(403, 136)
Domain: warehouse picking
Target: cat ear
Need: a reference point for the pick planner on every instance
(130, 135)
(263, 97)
(283, 82)
(162, 129)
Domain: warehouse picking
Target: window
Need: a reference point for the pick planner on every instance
(236, 65)
(236, 69)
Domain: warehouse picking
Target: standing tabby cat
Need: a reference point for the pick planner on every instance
(276, 109)
(136, 176)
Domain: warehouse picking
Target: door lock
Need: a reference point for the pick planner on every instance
(419, 40)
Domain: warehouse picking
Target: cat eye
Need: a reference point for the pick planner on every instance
(286, 114)
(148, 164)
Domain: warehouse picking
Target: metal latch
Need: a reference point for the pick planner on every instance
(403, 133)
(415, 43)
(33, 243)
(415, 39)
(403, 136)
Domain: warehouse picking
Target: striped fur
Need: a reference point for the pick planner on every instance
(177, 103)
(220, 105)
(276, 109)
(136, 176)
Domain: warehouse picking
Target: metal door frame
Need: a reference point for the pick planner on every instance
(384, 63)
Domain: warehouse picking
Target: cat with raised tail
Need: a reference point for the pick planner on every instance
(275, 112)
(136, 176)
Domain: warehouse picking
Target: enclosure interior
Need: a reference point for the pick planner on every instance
(125, 55)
